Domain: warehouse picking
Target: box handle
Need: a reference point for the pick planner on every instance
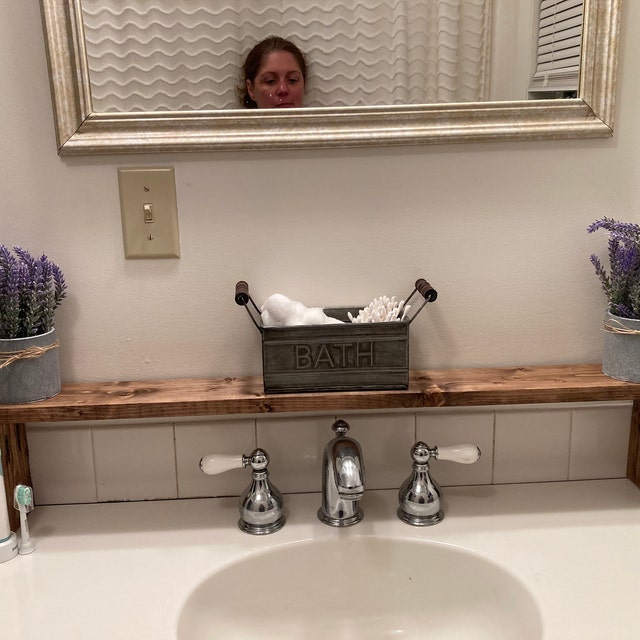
(243, 298)
(425, 290)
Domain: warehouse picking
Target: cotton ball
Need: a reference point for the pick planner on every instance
(280, 311)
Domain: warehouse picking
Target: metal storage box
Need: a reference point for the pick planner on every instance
(335, 357)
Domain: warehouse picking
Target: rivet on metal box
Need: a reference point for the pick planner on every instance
(336, 357)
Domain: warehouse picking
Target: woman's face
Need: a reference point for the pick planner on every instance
(279, 82)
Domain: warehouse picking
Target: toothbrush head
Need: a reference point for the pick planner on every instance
(23, 498)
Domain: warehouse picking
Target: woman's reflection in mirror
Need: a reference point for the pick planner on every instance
(274, 75)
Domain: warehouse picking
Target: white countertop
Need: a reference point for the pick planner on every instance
(124, 570)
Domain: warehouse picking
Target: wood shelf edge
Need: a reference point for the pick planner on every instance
(236, 396)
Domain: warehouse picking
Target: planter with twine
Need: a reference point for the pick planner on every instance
(31, 289)
(621, 284)
(29, 368)
(621, 354)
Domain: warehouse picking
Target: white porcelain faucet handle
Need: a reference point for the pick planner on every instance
(463, 453)
(215, 463)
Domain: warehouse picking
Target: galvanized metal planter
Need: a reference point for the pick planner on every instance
(335, 357)
(29, 368)
(621, 353)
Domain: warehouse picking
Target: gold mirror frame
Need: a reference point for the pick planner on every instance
(81, 131)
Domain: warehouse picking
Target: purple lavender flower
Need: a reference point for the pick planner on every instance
(625, 229)
(622, 283)
(31, 289)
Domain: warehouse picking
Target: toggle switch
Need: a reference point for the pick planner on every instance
(149, 212)
(147, 209)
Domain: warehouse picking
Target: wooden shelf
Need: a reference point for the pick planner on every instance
(234, 396)
(244, 396)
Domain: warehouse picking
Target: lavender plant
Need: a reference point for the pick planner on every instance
(621, 283)
(31, 289)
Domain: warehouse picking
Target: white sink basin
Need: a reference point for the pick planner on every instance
(361, 588)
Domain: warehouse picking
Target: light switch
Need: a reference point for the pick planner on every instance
(149, 211)
(147, 207)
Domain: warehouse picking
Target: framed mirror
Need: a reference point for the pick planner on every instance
(81, 129)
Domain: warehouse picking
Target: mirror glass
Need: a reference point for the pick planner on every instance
(156, 54)
(156, 75)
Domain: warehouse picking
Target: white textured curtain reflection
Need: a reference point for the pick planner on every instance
(153, 55)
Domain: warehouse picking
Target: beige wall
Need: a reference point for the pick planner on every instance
(499, 229)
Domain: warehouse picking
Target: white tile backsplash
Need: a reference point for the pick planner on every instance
(89, 462)
(532, 446)
(386, 441)
(599, 442)
(135, 462)
(444, 428)
(295, 447)
(61, 460)
(197, 439)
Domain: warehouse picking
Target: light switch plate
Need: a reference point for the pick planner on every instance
(149, 211)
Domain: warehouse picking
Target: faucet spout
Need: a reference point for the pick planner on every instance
(342, 479)
(348, 470)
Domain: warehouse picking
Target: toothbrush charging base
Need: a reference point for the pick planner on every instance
(9, 548)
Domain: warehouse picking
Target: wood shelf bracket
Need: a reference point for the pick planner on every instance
(15, 463)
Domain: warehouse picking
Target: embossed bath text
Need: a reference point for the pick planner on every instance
(327, 355)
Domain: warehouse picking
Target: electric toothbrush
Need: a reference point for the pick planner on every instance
(23, 502)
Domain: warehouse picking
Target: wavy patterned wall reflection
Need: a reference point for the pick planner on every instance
(152, 55)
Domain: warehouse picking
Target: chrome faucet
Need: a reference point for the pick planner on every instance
(261, 507)
(420, 495)
(342, 479)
